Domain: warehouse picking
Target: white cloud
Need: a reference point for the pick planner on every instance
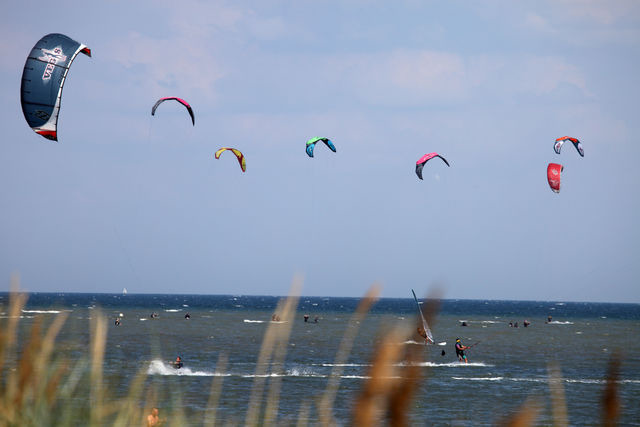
(604, 13)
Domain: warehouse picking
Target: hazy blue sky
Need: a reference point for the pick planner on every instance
(130, 200)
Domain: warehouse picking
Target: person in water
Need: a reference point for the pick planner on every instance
(153, 419)
(460, 348)
(117, 321)
(178, 363)
(187, 316)
(306, 318)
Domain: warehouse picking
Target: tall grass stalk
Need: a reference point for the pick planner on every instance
(326, 401)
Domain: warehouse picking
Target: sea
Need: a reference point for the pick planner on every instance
(507, 366)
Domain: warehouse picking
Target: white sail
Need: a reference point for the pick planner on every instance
(124, 291)
(425, 326)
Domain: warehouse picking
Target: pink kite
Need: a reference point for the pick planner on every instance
(424, 159)
(180, 100)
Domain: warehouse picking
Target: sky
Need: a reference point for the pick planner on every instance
(125, 199)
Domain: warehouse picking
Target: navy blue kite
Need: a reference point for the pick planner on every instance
(43, 77)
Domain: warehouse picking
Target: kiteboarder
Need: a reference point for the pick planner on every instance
(460, 348)
(178, 363)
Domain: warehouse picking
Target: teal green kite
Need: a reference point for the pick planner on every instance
(312, 143)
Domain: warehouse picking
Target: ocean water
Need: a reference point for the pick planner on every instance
(507, 365)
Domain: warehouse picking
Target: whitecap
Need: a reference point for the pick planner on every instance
(450, 365)
(158, 367)
(173, 310)
(253, 321)
(41, 311)
(478, 378)
(345, 364)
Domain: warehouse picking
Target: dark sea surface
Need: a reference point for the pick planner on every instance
(506, 366)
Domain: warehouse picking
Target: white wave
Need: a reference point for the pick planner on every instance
(42, 311)
(303, 372)
(573, 380)
(480, 321)
(253, 321)
(158, 367)
(452, 364)
(345, 364)
(479, 378)
(271, 375)
(143, 319)
(556, 322)
(173, 310)
(584, 381)
(185, 305)
(421, 342)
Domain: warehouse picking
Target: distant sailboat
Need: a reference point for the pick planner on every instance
(124, 291)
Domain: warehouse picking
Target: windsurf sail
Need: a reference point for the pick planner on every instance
(425, 326)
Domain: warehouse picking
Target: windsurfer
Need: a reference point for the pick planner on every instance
(423, 334)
